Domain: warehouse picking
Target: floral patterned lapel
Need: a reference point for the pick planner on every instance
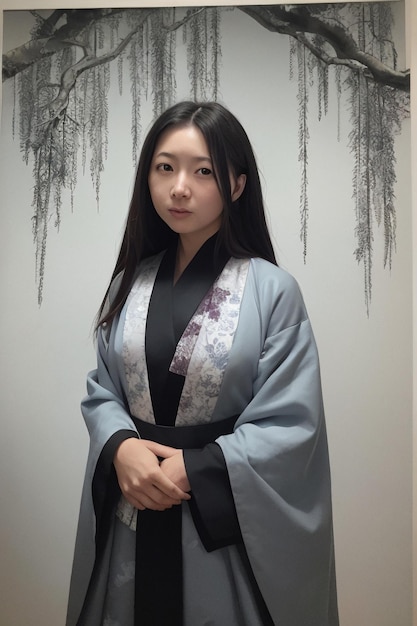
(202, 352)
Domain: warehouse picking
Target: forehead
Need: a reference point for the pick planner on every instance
(182, 139)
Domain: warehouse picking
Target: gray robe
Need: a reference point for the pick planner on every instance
(277, 461)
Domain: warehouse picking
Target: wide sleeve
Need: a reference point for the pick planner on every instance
(278, 465)
(108, 422)
(107, 418)
(212, 505)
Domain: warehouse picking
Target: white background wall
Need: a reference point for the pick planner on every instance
(366, 362)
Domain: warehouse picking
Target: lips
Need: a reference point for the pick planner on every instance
(178, 212)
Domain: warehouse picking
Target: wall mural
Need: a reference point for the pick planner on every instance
(61, 78)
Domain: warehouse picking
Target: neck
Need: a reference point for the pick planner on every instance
(186, 250)
(185, 254)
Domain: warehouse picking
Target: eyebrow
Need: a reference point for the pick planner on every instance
(173, 156)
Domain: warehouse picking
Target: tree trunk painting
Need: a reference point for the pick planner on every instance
(61, 78)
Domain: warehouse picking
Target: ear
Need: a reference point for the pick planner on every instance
(238, 186)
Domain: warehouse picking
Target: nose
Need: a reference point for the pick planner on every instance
(180, 187)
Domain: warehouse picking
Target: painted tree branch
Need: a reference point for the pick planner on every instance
(326, 58)
(298, 20)
(49, 40)
(179, 23)
(46, 25)
(89, 60)
(276, 18)
(63, 106)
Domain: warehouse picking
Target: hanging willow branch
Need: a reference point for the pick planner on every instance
(62, 78)
(64, 103)
(376, 113)
(303, 137)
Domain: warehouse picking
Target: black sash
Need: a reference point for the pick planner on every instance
(196, 436)
(158, 579)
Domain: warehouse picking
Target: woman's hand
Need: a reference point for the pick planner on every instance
(142, 480)
(174, 468)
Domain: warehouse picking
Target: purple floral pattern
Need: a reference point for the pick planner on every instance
(210, 307)
(203, 351)
(138, 394)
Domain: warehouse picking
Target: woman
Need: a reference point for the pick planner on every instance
(207, 491)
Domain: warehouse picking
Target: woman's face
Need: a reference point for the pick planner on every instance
(181, 181)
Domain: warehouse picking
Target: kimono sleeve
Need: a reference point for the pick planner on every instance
(108, 422)
(277, 460)
(211, 504)
(107, 419)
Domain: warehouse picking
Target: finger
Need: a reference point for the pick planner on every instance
(138, 504)
(157, 478)
(153, 495)
(156, 505)
(142, 501)
(150, 496)
(159, 449)
(169, 496)
(169, 488)
(147, 502)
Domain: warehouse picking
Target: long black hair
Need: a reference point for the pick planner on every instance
(243, 232)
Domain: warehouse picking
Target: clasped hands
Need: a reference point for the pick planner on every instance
(145, 481)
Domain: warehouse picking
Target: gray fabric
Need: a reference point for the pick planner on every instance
(277, 461)
(217, 594)
(216, 587)
(120, 592)
(277, 457)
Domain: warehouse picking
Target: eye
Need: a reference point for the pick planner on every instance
(205, 171)
(164, 167)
